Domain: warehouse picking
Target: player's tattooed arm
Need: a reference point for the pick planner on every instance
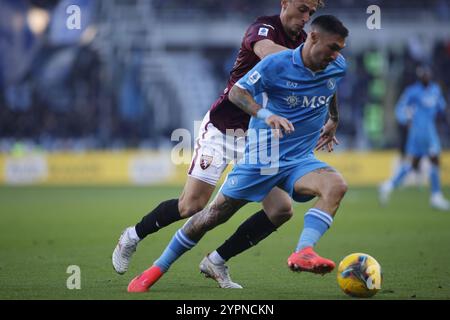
(333, 109)
(218, 212)
(328, 133)
(244, 100)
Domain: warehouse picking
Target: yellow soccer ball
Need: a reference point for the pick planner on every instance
(359, 275)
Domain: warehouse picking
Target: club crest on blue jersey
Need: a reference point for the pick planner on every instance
(331, 84)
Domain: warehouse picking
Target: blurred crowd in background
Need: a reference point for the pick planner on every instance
(218, 9)
(117, 83)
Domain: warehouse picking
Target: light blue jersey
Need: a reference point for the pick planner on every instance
(420, 105)
(294, 92)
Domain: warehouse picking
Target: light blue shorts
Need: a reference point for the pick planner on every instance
(420, 145)
(247, 183)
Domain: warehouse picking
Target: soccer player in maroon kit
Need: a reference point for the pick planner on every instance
(265, 36)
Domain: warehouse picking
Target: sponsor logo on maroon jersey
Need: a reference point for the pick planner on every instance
(205, 161)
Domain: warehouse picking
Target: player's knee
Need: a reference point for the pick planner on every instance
(280, 217)
(434, 161)
(279, 214)
(337, 191)
(341, 189)
(284, 214)
(189, 207)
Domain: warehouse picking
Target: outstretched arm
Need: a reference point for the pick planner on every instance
(244, 100)
(265, 47)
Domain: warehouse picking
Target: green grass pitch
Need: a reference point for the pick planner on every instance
(44, 230)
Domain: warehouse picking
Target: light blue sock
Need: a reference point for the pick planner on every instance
(316, 224)
(401, 174)
(435, 181)
(179, 244)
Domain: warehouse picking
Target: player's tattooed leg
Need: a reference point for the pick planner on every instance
(218, 212)
(324, 170)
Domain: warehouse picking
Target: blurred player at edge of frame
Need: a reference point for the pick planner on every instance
(419, 106)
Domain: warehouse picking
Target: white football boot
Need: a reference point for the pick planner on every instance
(122, 253)
(218, 272)
(384, 192)
(438, 201)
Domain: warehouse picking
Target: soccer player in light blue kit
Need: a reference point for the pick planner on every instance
(419, 106)
(297, 87)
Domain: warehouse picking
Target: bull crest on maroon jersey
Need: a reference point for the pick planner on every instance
(205, 161)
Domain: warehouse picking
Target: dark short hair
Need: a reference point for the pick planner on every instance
(331, 24)
(423, 69)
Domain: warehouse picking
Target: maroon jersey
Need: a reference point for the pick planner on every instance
(223, 113)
